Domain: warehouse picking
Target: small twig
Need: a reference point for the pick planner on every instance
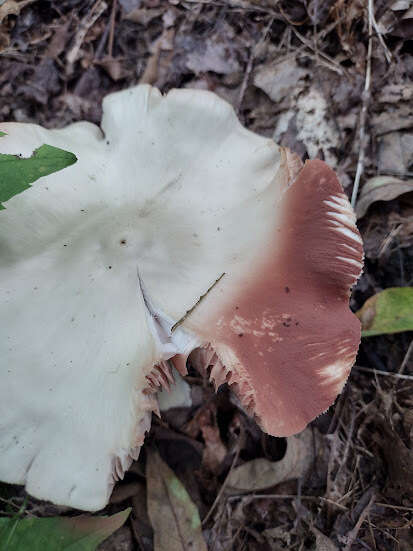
(96, 11)
(334, 66)
(384, 373)
(224, 485)
(102, 42)
(112, 28)
(387, 52)
(406, 360)
(352, 535)
(388, 239)
(364, 109)
(289, 497)
(189, 312)
(250, 63)
(396, 507)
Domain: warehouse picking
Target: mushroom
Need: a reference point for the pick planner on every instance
(177, 231)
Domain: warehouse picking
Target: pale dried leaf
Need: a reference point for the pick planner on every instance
(381, 188)
(322, 542)
(315, 127)
(214, 55)
(261, 473)
(390, 120)
(12, 8)
(214, 451)
(401, 5)
(395, 153)
(173, 515)
(280, 80)
(143, 16)
(393, 93)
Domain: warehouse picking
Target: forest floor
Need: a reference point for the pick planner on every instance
(330, 79)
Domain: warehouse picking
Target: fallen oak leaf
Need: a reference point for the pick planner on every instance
(390, 311)
(260, 474)
(381, 188)
(174, 517)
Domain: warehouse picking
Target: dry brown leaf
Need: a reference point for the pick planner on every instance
(381, 188)
(174, 517)
(322, 542)
(215, 451)
(213, 55)
(12, 8)
(113, 66)
(399, 460)
(143, 16)
(393, 93)
(280, 80)
(390, 120)
(260, 474)
(60, 38)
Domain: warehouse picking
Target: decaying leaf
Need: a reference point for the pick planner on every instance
(395, 153)
(82, 533)
(215, 451)
(261, 473)
(173, 515)
(381, 188)
(280, 80)
(143, 16)
(315, 127)
(12, 8)
(211, 55)
(390, 311)
(399, 459)
(322, 542)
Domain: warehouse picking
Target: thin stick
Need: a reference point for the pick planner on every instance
(352, 535)
(188, 312)
(385, 373)
(288, 497)
(406, 359)
(250, 63)
(112, 28)
(387, 52)
(364, 109)
(97, 9)
(221, 490)
(396, 507)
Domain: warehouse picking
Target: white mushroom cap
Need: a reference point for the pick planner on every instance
(98, 262)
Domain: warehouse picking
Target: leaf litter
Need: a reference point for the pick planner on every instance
(295, 71)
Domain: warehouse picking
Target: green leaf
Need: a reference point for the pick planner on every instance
(173, 515)
(2, 134)
(390, 311)
(17, 173)
(81, 533)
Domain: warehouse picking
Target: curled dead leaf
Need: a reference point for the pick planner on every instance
(260, 474)
(381, 188)
(322, 542)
